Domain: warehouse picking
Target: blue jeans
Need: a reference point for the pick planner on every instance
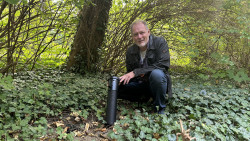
(152, 85)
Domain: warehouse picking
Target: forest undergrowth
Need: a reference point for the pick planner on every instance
(58, 105)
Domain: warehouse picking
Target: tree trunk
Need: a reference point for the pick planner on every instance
(89, 37)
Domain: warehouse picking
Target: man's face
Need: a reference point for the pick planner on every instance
(140, 34)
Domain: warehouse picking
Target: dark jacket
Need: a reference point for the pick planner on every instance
(157, 57)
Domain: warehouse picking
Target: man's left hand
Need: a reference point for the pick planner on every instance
(126, 78)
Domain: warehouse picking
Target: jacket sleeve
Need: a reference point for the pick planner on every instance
(130, 62)
(162, 58)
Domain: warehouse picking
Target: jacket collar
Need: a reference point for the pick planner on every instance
(151, 45)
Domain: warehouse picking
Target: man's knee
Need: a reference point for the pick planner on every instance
(157, 76)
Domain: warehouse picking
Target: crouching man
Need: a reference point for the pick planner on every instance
(147, 62)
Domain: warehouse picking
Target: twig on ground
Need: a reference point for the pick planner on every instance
(184, 134)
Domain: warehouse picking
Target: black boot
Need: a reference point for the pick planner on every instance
(159, 110)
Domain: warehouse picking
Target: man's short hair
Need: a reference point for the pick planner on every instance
(138, 21)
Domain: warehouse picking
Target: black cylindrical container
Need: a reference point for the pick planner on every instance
(112, 98)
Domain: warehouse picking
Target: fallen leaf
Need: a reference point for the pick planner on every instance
(77, 119)
(49, 125)
(93, 135)
(86, 127)
(59, 123)
(68, 118)
(121, 117)
(101, 129)
(104, 129)
(75, 114)
(126, 125)
(65, 129)
(95, 123)
(156, 135)
(186, 89)
(78, 133)
(16, 136)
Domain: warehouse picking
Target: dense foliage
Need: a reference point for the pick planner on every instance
(207, 35)
(41, 94)
(211, 111)
(35, 34)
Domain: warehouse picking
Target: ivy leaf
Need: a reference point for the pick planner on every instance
(15, 127)
(6, 82)
(211, 116)
(208, 121)
(189, 108)
(192, 116)
(12, 109)
(172, 137)
(142, 135)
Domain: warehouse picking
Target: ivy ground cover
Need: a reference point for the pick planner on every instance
(212, 111)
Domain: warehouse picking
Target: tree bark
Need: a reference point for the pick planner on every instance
(89, 37)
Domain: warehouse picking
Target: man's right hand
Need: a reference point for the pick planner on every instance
(126, 78)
